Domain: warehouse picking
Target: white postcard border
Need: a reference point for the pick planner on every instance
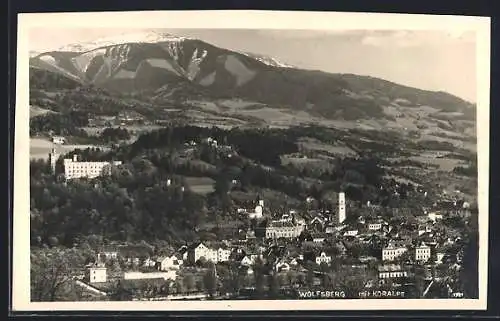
(329, 21)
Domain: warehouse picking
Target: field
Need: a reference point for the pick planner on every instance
(445, 164)
(40, 148)
(38, 111)
(314, 144)
(200, 185)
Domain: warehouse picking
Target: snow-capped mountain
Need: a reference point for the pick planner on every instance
(178, 67)
(137, 37)
(33, 53)
(151, 60)
(270, 61)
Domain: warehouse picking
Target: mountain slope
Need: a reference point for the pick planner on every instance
(170, 67)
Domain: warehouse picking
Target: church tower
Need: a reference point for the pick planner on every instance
(341, 209)
(53, 155)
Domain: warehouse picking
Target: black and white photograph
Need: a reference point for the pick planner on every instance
(251, 160)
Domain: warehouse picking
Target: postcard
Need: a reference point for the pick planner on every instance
(251, 160)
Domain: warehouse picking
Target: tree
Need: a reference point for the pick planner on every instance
(189, 282)
(120, 293)
(310, 278)
(52, 273)
(274, 286)
(210, 282)
(258, 271)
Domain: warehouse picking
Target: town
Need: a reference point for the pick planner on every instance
(342, 250)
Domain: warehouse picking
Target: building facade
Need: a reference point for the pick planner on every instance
(283, 229)
(391, 271)
(323, 258)
(391, 252)
(422, 253)
(375, 226)
(201, 250)
(97, 273)
(58, 140)
(76, 169)
(169, 263)
(223, 254)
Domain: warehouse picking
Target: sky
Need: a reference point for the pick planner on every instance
(433, 60)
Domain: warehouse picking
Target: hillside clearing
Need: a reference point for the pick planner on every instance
(200, 185)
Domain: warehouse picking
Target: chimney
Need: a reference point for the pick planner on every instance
(75, 158)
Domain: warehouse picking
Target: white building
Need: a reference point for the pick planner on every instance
(375, 226)
(434, 216)
(223, 254)
(282, 267)
(169, 263)
(58, 140)
(285, 229)
(110, 253)
(423, 253)
(391, 271)
(424, 229)
(75, 169)
(98, 272)
(199, 250)
(323, 258)
(167, 275)
(341, 208)
(392, 252)
(351, 233)
(439, 257)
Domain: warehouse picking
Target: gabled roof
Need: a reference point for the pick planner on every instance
(194, 245)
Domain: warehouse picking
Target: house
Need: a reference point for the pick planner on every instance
(422, 253)
(165, 263)
(97, 272)
(133, 261)
(110, 253)
(282, 267)
(317, 224)
(422, 229)
(199, 250)
(439, 256)
(58, 140)
(319, 239)
(148, 262)
(376, 225)
(283, 229)
(323, 258)
(165, 275)
(246, 261)
(224, 253)
(254, 257)
(393, 251)
(258, 211)
(390, 271)
(330, 229)
(351, 232)
(433, 216)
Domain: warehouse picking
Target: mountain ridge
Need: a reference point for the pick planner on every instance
(169, 67)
